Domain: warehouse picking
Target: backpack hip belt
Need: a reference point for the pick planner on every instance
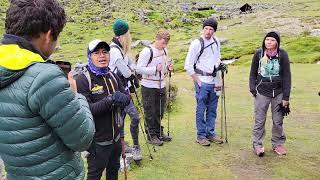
(202, 73)
(153, 79)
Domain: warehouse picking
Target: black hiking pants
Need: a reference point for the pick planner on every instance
(151, 98)
(104, 158)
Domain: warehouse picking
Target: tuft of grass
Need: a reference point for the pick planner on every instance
(201, 14)
(304, 49)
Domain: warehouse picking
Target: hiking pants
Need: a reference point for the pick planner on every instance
(260, 109)
(206, 112)
(134, 125)
(104, 158)
(151, 98)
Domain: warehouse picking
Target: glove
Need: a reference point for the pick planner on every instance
(222, 67)
(134, 79)
(254, 93)
(284, 110)
(120, 99)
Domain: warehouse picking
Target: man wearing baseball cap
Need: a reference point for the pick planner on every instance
(202, 61)
(106, 96)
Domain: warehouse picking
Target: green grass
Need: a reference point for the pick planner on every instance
(305, 49)
(184, 159)
(201, 14)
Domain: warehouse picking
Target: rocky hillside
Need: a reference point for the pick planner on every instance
(240, 32)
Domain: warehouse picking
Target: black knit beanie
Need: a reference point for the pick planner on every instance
(211, 22)
(273, 34)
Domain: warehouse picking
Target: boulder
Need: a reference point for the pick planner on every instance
(315, 32)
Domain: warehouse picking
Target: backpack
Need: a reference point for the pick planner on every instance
(80, 68)
(203, 48)
(151, 54)
(150, 59)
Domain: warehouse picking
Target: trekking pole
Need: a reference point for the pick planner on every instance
(160, 95)
(119, 122)
(169, 99)
(224, 105)
(124, 159)
(221, 113)
(143, 132)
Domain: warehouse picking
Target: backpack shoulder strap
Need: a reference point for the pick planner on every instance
(116, 46)
(87, 74)
(203, 48)
(260, 51)
(215, 41)
(151, 55)
(114, 78)
(165, 52)
(200, 53)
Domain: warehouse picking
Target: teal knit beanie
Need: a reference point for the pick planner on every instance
(120, 27)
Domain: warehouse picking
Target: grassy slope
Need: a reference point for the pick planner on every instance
(184, 159)
(243, 38)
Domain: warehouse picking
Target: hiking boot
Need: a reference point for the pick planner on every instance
(259, 150)
(203, 142)
(215, 140)
(136, 153)
(155, 141)
(280, 150)
(165, 138)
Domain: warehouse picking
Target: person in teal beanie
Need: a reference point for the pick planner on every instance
(120, 27)
(124, 67)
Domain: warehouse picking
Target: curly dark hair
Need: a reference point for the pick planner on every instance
(28, 18)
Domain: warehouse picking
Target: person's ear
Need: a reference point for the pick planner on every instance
(48, 36)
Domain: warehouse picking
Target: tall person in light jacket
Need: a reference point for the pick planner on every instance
(202, 63)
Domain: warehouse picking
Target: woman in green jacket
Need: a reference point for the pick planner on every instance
(43, 123)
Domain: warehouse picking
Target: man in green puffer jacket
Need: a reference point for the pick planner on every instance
(43, 123)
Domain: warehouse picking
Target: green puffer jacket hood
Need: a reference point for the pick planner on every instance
(9, 69)
(43, 123)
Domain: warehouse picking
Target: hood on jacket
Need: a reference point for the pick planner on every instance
(16, 55)
(13, 63)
